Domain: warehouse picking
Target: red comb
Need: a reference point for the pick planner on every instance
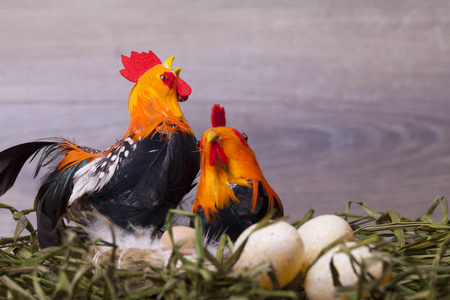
(137, 64)
(217, 116)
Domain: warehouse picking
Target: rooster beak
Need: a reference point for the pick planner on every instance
(211, 136)
(168, 63)
(177, 71)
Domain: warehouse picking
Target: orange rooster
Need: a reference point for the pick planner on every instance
(133, 183)
(232, 192)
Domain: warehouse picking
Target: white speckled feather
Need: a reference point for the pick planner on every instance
(93, 176)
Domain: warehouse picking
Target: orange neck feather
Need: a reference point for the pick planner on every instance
(152, 111)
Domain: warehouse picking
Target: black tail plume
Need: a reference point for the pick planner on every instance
(13, 159)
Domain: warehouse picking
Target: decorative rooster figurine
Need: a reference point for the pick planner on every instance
(133, 183)
(232, 193)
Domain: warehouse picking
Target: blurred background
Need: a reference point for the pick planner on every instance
(342, 100)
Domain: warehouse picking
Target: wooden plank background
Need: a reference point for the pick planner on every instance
(341, 100)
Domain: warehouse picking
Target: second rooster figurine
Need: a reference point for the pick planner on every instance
(232, 193)
(133, 183)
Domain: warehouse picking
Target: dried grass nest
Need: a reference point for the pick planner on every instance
(418, 250)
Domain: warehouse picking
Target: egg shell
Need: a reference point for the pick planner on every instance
(179, 233)
(320, 232)
(319, 279)
(278, 242)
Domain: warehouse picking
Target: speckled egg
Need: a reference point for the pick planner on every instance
(179, 233)
(320, 232)
(319, 280)
(280, 243)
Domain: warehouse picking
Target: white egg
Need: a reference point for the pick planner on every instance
(179, 233)
(280, 243)
(319, 280)
(320, 232)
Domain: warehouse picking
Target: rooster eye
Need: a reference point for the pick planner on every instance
(245, 137)
(163, 77)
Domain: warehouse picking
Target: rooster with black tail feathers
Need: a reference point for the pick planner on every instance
(232, 193)
(133, 183)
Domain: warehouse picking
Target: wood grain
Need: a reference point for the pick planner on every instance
(342, 101)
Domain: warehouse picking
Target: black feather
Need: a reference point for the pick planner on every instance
(13, 159)
(55, 190)
(54, 193)
(233, 220)
(48, 231)
(152, 179)
(51, 200)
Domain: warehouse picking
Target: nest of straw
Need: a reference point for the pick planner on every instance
(418, 251)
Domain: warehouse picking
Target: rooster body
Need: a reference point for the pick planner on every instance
(133, 183)
(232, 193)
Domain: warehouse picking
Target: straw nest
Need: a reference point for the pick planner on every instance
(418, 251)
